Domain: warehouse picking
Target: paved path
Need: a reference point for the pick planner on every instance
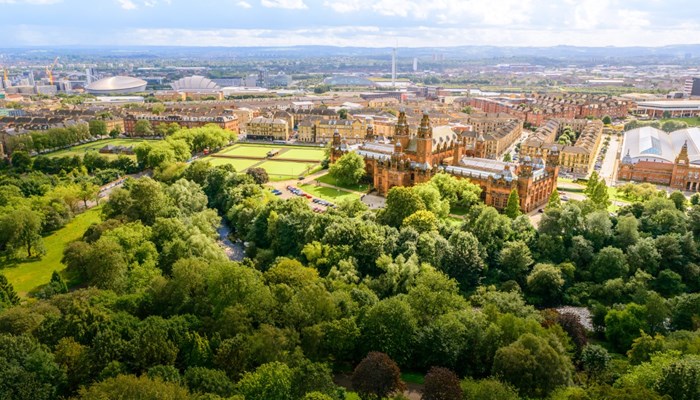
(608, 169)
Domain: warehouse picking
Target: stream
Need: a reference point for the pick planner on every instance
(234, 250)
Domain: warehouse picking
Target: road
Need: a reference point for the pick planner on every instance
(609, 167)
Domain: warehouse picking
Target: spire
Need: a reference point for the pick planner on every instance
(425, 131)
(683, 155)
(627, 159)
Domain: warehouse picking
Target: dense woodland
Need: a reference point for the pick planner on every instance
(158, 311)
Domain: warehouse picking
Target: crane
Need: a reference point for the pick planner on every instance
(49, 70)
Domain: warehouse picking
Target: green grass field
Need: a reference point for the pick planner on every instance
(327, 193)
(29, 275)
(329, 180)
(84, 148)
(240, 164)
(302, 154)
(691, 121)
(244, 150)
(286, 168)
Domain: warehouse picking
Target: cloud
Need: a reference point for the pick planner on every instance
(244, 4)
(286, 4)
(501, 12)
(127, 4)
(33, 2)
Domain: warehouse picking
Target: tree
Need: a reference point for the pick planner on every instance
(143, 128)
(598, 228)
(8, 296)
(259, 175)
(487, 389)
(607, 120)
(205, 380)
(97, 128)
(343, 113)
(554, 200)
(390, 327)
(271, 381)
(515, 259)
(623, 326)
(464, 261)
(400, 203)
(626, 231)
(533, 365)
(609, 263)
(595, 360)
(545, 282)
(349, 169)
(678, 199)
(507, 157)
(376, 377)
(421, 221)
(88, 191)
(21, 161)
(158, 108)
(27, 369)
(21, 228)
(681, 379)
(131, 387)
(512, 209)
(441, 384)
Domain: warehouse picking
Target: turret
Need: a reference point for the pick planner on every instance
(369, 136)
(401, 133)
(553, 156)
(480, 147)
(683, 155)
(425, 131)
(627, 159)
(336, 139)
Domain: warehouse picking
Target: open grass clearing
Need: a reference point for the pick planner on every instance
(326, 193)
(96, 146)
(241, 150)
(239, 164)
(302, 154)
(28, 275)
(286, 168)
(691, 121)
(328, 179)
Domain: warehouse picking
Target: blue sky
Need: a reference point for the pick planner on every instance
(373, 23)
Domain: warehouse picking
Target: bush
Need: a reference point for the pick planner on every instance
(377, 376)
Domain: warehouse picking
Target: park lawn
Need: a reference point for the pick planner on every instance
(241, 150)
(412, 377)
(286, 168)
(29, 275)
(330, 180)
(691, 121)
(326, 193)
(239, 164)
(81, 149)
(302, 154)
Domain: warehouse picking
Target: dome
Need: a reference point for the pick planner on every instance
(117, 84)
(196, 83)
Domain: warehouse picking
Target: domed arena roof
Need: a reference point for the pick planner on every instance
(194, 83)
(117, 84)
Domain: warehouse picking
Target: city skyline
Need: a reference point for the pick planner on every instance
(381, 23)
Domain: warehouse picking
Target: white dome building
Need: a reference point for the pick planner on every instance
(195, 83)
(116, 85)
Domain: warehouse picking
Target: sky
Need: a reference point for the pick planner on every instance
(365, 23)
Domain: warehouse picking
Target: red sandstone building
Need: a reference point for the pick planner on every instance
(408, 159)
(654, 156)
(228, 122)
(539, 108)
